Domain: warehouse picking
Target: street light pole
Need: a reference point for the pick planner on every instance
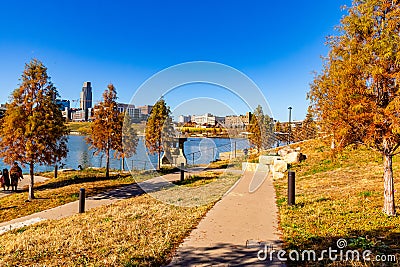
(290, 123)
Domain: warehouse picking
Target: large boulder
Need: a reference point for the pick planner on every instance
(293, 157)
(284, 151)
(287, 150)
(280, 165)
(267, 160)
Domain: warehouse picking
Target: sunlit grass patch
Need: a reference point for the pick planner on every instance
(235, 163)
(80, 127)
(199, 189)
(338, 196)
(136, 232)
(199, 179)
(56, 192)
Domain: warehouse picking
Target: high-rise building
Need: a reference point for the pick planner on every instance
(86, 96)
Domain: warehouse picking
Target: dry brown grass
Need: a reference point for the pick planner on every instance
(80, 127)
(198, 190)
(235, 163)
(339, 197)
(56, 192)
(141, 231)
(135, 232)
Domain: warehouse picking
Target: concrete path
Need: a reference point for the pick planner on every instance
(24, 183)
(102, 199)
(235, 229)
(232, 233)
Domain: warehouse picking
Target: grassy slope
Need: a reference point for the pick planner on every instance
(56, 192)
(79, 127)
(141, 231)
(135, 232)
(339, 197)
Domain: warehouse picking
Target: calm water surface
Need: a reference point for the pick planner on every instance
(197, 151)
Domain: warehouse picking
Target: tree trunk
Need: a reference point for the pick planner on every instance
(30, 193)
(123, 164)
(108, 162)
(388, 202)
(159, 160)
(55, 170)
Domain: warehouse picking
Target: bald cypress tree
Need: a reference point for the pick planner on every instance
(111, 130)
(356, 97)
(156, 126)
(261, 128)
(255, 129)
(33, 130)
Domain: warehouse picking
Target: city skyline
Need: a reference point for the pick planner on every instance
(127, 42)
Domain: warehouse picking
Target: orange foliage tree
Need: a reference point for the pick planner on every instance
(111, 130)
(33, 130)
(356, 97)
(261, 129)
(158, 129)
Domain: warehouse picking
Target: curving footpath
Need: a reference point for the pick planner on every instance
(232, 233)
(22, 184)
(101, 199)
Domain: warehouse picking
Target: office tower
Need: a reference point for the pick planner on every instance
(86, 96)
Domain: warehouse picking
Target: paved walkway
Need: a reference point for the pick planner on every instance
(236, 228)
(231, 234)
(102, 199)
(23, 184)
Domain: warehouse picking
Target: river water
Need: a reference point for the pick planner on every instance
(197, 151)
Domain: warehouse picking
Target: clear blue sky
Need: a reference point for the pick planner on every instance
(278, 44)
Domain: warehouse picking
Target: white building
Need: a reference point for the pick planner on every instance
(207, 119)
(133, 112)
(184, 119)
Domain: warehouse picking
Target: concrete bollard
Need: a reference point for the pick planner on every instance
(291, 188)
(82, 200)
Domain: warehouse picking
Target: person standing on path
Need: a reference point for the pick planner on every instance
(2, 180)
(6, 180)
(15, 174)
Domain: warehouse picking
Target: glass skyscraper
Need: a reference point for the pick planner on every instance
(86, 96)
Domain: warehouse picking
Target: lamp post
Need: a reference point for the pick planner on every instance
(290, 124)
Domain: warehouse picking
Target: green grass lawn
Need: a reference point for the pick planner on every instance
(80, 127)
(339, 197)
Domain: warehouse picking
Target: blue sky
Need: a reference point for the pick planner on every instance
(277, 44)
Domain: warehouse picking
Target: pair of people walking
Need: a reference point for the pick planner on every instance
(11, 178)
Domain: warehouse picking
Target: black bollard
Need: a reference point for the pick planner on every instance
(291, 188)
(182, 172)
(82, 200)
